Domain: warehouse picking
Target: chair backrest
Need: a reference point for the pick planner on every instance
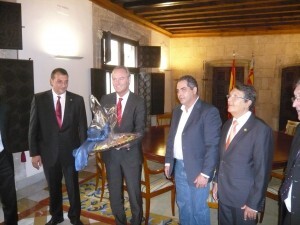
(163, 119)
(291, 127)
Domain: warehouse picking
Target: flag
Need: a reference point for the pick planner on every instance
(250, 79)
(232, 76)
(232, 81)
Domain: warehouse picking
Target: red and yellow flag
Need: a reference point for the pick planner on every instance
(232, 76)
(250, 79)
(232, 81)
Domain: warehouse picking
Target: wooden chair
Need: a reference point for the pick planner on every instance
(154, 183)
(163, 119)
(213, 204)
(291, 127)
(100, 173)
(276, 179)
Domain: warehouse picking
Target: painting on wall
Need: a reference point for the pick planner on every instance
(16, 76)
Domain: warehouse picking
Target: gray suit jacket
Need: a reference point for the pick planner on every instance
(133, 121)
(200, 139)
(244, 168)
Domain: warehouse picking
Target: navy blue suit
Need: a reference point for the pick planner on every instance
(200, 139)
(294, 218)
(244, 169)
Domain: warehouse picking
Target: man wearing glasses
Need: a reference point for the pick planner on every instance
(290, 189)
(246, 152)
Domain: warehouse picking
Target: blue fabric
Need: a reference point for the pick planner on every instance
(191, 201)
(95, 136)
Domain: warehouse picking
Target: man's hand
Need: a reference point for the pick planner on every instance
(36, 162)
(215, 191)
(167, 170)
(249, 214)
(200, 181)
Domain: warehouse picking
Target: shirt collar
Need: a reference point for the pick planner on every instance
(63, 95)
(124, 97)
(191, 108)
(243, 119)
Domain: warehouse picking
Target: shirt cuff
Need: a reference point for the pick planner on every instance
(205, 175)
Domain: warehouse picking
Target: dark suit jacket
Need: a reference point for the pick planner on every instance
(45, 137)
(244, 169)
(295, 210)
(133, 121)
(200, 139)
(4, 129)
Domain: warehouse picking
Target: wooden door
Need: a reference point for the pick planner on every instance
(221, 78)
(290, 76)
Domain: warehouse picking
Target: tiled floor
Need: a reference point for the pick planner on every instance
(34, 211)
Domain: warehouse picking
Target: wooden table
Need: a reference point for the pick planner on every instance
(155, 139)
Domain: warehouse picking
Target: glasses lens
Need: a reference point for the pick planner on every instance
(293, 99)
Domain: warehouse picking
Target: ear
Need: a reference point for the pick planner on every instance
(249, 102)
(51, 82)
(195, 90)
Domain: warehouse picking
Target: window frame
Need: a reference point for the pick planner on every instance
(109, 68)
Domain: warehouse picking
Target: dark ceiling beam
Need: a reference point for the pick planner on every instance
(218, 7)
(241, 11)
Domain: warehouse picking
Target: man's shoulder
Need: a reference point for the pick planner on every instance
(135, 97)
(73, 95)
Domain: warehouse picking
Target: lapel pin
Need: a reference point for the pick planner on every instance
(245, 129)
(71, 99)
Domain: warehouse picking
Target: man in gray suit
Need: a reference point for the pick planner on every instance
(192, 148)
(58, 125)
(290, 189)
(125, 163)
(246, 153)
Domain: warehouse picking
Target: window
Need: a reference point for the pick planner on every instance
(119, 51)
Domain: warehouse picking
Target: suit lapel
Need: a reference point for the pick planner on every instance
(193, 114)
(242, 132)
(68, 108)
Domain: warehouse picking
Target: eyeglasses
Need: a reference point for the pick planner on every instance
(295, 99)
(235, 97)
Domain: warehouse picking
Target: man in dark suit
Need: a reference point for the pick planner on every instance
(193, 147)
(58, 125)
(7, 176)
(246, 153)
(125, 162)
(290, 189)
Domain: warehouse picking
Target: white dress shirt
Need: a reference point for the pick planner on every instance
(178, 137)
(1, 143)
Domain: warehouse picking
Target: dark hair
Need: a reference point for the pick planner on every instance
(249, 92)
(59, 70)
(191, 81)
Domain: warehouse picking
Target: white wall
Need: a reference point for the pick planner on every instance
(59, 27)
(56, 27)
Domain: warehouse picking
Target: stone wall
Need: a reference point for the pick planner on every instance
(196, 56)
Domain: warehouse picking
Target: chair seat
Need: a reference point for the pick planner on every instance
(157, 182)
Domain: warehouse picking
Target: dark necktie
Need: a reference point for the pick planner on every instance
(58, 112)
(232, 133)
(119, 111)
(285, 187)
